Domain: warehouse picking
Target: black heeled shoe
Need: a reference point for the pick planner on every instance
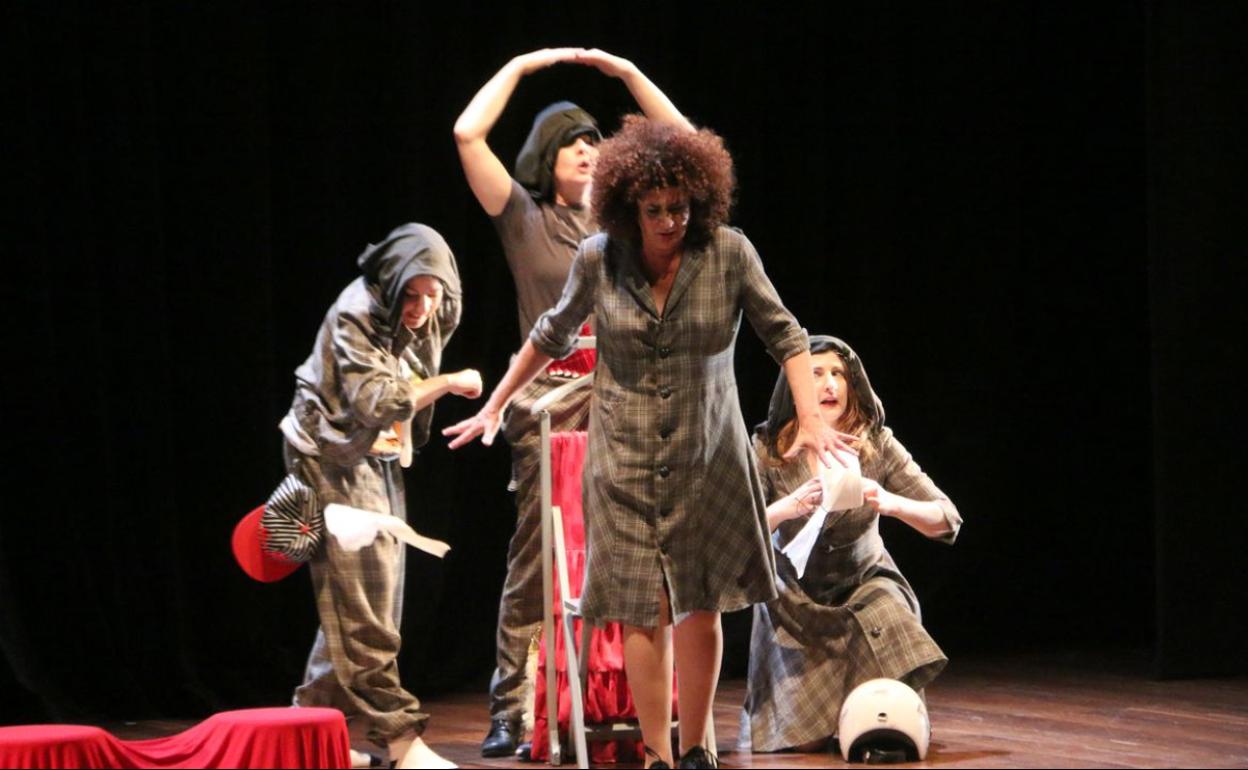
(698, 757)
(658, 764)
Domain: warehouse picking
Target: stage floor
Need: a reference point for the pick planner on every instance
(1014, 712)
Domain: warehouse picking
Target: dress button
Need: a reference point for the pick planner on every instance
(664, 471)
(859, 607)
(665, 433)
(665, 392)
(664, 352)
(875, 633)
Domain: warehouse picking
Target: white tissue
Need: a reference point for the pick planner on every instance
(799, 548)
(842, 484)
(355, 528)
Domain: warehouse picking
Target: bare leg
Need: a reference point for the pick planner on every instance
(413, 752)
(699, 647)
(648, 663)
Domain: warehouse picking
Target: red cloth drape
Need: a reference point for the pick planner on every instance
(256, 738)
(608, 697)
(579, 361)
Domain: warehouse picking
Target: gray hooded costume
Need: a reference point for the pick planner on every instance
(539, 238)
(356, 384)
(852, 617)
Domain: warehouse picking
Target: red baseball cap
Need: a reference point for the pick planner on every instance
(249, 540)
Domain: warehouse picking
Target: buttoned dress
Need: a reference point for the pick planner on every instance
(850, 618)
(672, 495)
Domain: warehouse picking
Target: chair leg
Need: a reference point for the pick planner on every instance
(576, 689)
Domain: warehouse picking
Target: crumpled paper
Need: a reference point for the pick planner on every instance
(355, 528)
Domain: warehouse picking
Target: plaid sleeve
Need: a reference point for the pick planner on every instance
(376, 394)
(771, 320)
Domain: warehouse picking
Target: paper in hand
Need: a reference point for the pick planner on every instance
(355, 528)
(842, 484)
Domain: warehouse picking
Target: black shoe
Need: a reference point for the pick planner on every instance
(698, 757)
(658, 763)
(501, 741)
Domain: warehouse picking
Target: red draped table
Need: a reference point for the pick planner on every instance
(252, 738)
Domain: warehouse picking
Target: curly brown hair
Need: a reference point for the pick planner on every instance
(645, 155)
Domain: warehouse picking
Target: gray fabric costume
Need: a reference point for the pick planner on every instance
(672, 496)
(852, 617)
(539, 239)
(351, 388)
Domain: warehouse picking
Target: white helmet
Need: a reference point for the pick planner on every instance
(883, 720)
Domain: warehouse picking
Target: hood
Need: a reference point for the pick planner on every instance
(408, 251)
(554, 127)
(781, 409)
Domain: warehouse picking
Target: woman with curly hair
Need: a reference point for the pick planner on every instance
(674, 510)
(849, 616)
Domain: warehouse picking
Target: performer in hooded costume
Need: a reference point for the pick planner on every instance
(851, 616)
(541, 216)
(363, 400)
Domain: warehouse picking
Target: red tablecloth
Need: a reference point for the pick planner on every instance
(608, 697)
(252, 738)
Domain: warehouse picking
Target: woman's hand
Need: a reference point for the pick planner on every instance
(484, 424)
(804, 500)
(800, 502)
(537, 60)
(465, 383)
(814, 434)
(608, 64)
(884, 502)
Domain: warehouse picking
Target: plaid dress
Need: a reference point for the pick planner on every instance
(672, 495)
(852, 617)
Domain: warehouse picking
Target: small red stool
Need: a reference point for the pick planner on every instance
(251, 738)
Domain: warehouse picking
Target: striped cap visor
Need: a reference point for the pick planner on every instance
(293, 522)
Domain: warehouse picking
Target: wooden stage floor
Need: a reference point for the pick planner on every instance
(1012, 712)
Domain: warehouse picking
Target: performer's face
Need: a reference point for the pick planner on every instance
(574, 165)
(421, 297)
(663, 217)
(831, 386)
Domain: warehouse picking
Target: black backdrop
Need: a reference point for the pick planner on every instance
(978, 196)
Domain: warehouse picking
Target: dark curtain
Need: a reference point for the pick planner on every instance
(958, 191)
(1197, 232)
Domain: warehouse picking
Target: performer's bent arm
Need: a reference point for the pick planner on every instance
(926, 516)
(529, 362)
(906, 493)
(487, 176)
(466, 383)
